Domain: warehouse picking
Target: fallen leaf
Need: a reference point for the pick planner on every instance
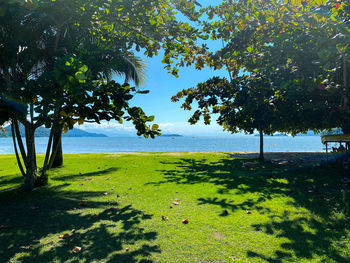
(5, 227)
(185, 221)
(76, 249)
(164, 218)
(177, 200)
(66, 235)
(83, 203)
(248, 212)
(175, 203)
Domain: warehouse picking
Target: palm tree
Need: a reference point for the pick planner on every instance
(126, 65)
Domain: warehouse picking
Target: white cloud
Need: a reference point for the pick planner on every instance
(127, 129)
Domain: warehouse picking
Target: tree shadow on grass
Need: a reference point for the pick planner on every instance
(84, 175)
(38, 219)
(316, 189)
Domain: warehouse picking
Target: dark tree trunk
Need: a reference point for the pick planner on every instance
(20, 142)
(261, 155)
(16, 151)
(31, 173)
(47, 155)
(57, 142)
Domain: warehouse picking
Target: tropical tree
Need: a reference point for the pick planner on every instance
(284, 69)
(58, 69)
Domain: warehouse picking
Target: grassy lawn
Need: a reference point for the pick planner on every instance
(112, 205)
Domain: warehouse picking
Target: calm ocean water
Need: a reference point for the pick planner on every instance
(178, 144)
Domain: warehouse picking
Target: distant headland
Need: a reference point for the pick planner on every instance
(44, 132)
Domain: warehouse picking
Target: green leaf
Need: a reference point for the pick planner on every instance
(155, 126)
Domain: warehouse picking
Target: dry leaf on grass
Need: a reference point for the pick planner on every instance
(164, 218)
(76, 249)
(66, 235)
(185, 221)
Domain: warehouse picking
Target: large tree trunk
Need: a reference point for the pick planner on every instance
(31, 173)
(261, 155)
(57, 142)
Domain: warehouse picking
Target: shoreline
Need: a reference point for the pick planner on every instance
(239, 154)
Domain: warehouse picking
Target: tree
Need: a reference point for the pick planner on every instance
(283, 77)
(246, 103)
(60, 80)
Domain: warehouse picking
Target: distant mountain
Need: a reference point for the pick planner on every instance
(309, 133)
(277, 134)
(44, 132)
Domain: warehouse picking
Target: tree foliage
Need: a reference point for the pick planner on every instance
(287, 62)
(59, 57)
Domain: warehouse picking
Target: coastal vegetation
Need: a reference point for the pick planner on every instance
(287, 63)
(133, 207)
(64, 63)
(58, 59)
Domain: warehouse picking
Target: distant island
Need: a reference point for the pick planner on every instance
(44, 132)
(309, 133)
(172, 135)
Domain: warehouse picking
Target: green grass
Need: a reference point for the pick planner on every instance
(297, 215)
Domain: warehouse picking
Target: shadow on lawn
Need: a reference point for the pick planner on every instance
(84, 175)
(317, 189)
(51, 211)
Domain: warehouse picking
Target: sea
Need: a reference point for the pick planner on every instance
(235, 143)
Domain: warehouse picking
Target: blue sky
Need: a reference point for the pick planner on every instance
(169, 115)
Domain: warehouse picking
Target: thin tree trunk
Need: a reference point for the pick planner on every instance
(16, 151)
(57, 142)
(31, 174)
(261, 155)
(48, 151)
(20, 142)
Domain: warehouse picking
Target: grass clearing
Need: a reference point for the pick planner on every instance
(112, 206)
